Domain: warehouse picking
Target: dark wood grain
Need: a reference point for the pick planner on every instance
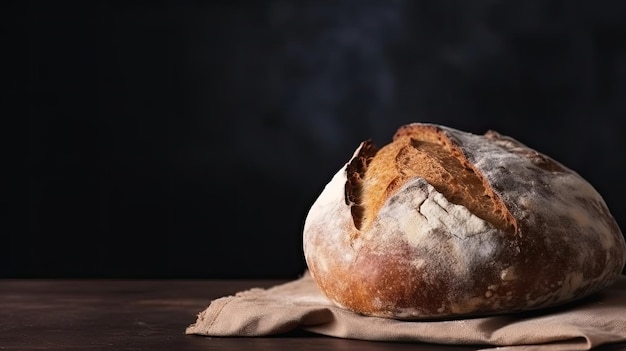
(141, 315)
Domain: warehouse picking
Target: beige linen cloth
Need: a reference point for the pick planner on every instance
(597, 320)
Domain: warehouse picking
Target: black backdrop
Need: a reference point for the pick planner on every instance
(188, 139)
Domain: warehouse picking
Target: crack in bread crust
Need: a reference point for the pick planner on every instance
(355, 173)
(422, 151)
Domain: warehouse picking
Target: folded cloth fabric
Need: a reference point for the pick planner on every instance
(597, 320)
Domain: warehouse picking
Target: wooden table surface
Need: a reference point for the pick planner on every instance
(143, 315)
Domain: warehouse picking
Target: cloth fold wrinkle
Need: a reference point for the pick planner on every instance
(299, 304)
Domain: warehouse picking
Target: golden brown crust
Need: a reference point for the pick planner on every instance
(423, 228)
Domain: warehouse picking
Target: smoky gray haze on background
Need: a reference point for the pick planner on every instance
(189, 139)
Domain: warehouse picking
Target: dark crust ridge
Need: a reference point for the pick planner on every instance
(355, 173)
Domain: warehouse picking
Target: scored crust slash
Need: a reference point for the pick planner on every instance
(441, 223)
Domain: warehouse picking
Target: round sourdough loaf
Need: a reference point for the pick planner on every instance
(441, 223)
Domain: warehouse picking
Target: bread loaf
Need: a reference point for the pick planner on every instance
(441, 223)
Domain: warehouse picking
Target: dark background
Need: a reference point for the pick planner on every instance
(188, 139)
